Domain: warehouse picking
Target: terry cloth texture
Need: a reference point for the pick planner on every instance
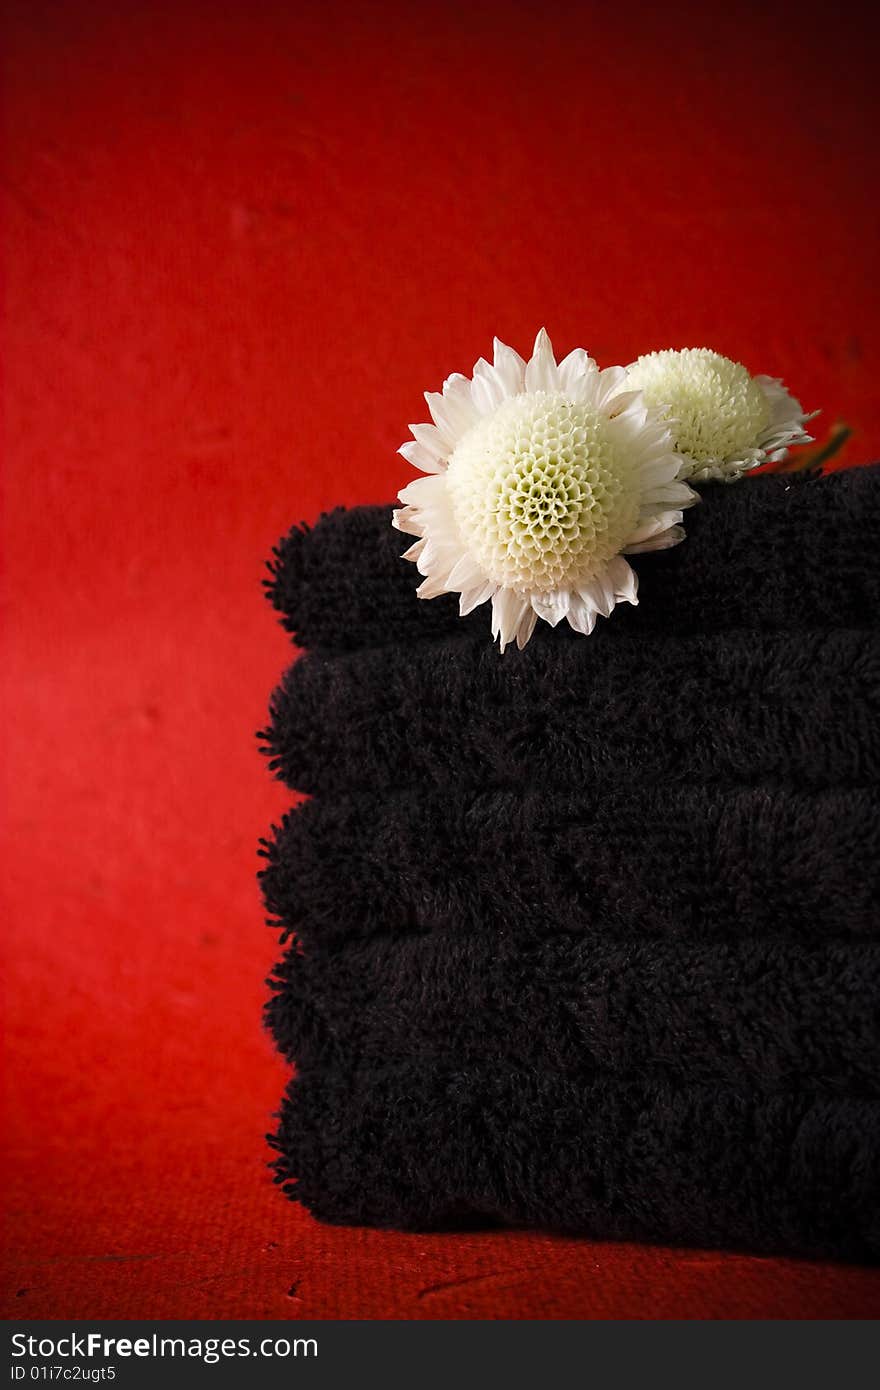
(770, 863)
(752, 1013)
(586, 937)
(699, 1165)
(741, 708)
(783, 553)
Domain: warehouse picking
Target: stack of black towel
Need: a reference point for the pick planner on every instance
(587, 936)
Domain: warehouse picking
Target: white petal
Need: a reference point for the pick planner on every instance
(434, 402)
(581, 615)
(784, 407)
(430, 560)
(421, 491)
(453, 411)
(457, 388)
(414, 551)
(541, 370)
(676, 494)
(433, 441)
(420, 457)
(623, 579)
(458, 395)
(787, 417)
(656, 471)
(472, 598)
(465, 574)
(632, 417)
(608, 384)
(784, 438)
(552, 606)
(510, 368)
(649, 440)
(664, 541)
(598, 594)
(431, 587)
(652, 526)
(572, 370)
(508, 610)
(526, 627)
(488, 389)
(405, 520)
(442, 549)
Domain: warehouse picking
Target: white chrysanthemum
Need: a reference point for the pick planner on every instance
(542, 476)
(725, 421)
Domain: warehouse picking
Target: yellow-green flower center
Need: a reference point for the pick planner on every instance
(541, 492)
(719, 410)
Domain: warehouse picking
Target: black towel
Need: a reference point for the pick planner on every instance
(418, 1147)
(587, 936)
(779, 709)
(670, 862)
(750, 1013)
(772, 552)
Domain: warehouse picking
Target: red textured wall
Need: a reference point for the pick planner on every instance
(239, 242)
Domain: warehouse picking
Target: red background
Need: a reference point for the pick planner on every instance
(240, 240)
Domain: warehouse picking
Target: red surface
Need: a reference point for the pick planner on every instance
(240, 240)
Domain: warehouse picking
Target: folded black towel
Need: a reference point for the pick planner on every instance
(777, 552)
(794, 709)
(587, 936)
(671, 862)
(765, 1015)
(418, 1147)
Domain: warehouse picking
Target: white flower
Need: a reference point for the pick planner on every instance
(725, 421)
(541, 477)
